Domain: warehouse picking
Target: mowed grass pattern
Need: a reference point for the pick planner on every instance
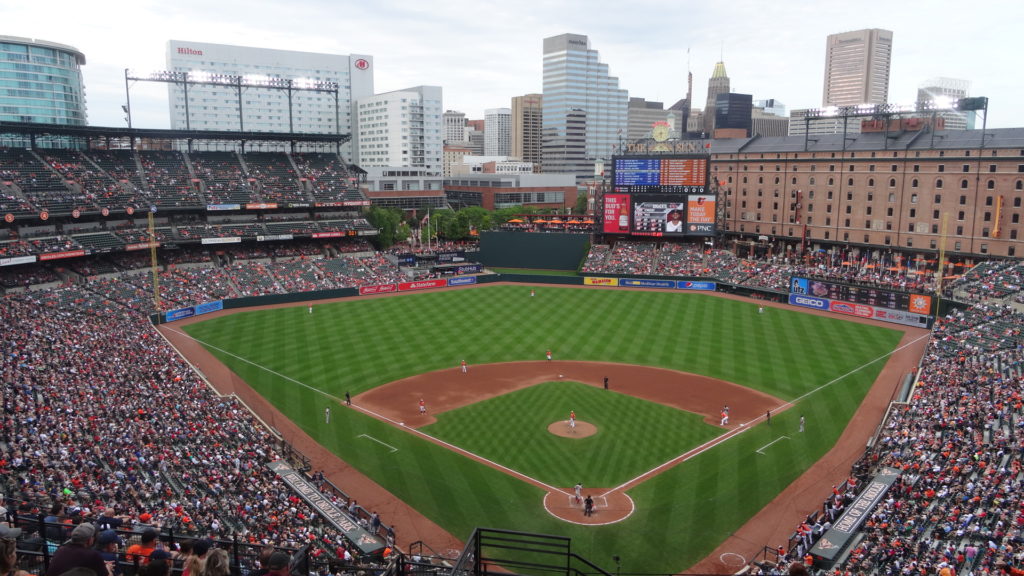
(524, 444)
(681, 514)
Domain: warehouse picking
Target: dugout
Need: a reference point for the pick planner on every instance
(532, 250)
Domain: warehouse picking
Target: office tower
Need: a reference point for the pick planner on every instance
(717, 84)
(527, 116)
(270, 109)
(454, 126)
(643, 115)
(763, 123)
(41, 82)
(584, 108)
(771, 106)
(732, 115)
(945, 92)
(497, 132)
(402, 129)
(475, 136)
(857, 68)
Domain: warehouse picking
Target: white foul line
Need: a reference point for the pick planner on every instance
(381, 417)
(677, 460)
(769, 444)
(368, 437)
(748, 425)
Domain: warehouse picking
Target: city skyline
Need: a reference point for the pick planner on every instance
(484, 54)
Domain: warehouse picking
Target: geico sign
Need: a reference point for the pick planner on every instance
(811, 302)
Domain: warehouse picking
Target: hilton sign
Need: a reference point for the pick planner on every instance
(189, 51)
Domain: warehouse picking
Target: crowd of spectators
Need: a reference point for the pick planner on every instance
(991, 280)
(995, 280)
(83, 372)
(102, 420)
(329, 179)
(956, 445)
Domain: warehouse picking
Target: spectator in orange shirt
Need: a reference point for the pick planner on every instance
(144, 548)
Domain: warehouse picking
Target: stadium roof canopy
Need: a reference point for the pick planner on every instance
(893, 140)
(33, 130)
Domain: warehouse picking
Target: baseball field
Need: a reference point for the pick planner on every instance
(494, 449)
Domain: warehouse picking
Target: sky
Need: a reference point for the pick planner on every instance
(482, 53)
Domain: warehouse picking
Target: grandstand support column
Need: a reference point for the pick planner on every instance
(152, 259)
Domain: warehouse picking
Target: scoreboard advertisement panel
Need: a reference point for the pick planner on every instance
(616, 213)
(868, 296)
(660, 195)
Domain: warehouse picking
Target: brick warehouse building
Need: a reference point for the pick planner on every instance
(885, 189)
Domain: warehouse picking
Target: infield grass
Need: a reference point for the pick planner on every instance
(682, 514)
(623, 422)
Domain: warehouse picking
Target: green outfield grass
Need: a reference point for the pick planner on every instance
(681, 514)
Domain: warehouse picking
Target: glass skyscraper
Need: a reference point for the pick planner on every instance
(41, 82)
(585, 113)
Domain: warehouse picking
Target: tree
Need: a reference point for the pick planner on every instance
(386, 221)
(581, 204)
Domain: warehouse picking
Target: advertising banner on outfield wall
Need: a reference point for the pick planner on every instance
(379, 289)
(190, 311)
(421, 285)
(208, 307)
(172, 315)
(838, 537)
(367, 543)
(462, 281)
(861, 310)
(688, 285)
(591, 281)
(643, 283)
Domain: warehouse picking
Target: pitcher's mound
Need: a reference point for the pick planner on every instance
(582, 429)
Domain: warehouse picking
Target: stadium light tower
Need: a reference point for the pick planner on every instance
(238, 82)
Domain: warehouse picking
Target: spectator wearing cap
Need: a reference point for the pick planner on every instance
(145, 521)
(108, 543)
(140, 552)
(278, 564)
(9, 552)
(78, 552)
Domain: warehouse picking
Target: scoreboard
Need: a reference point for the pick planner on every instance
(670, 175)
(660, 195)
(868, 296)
